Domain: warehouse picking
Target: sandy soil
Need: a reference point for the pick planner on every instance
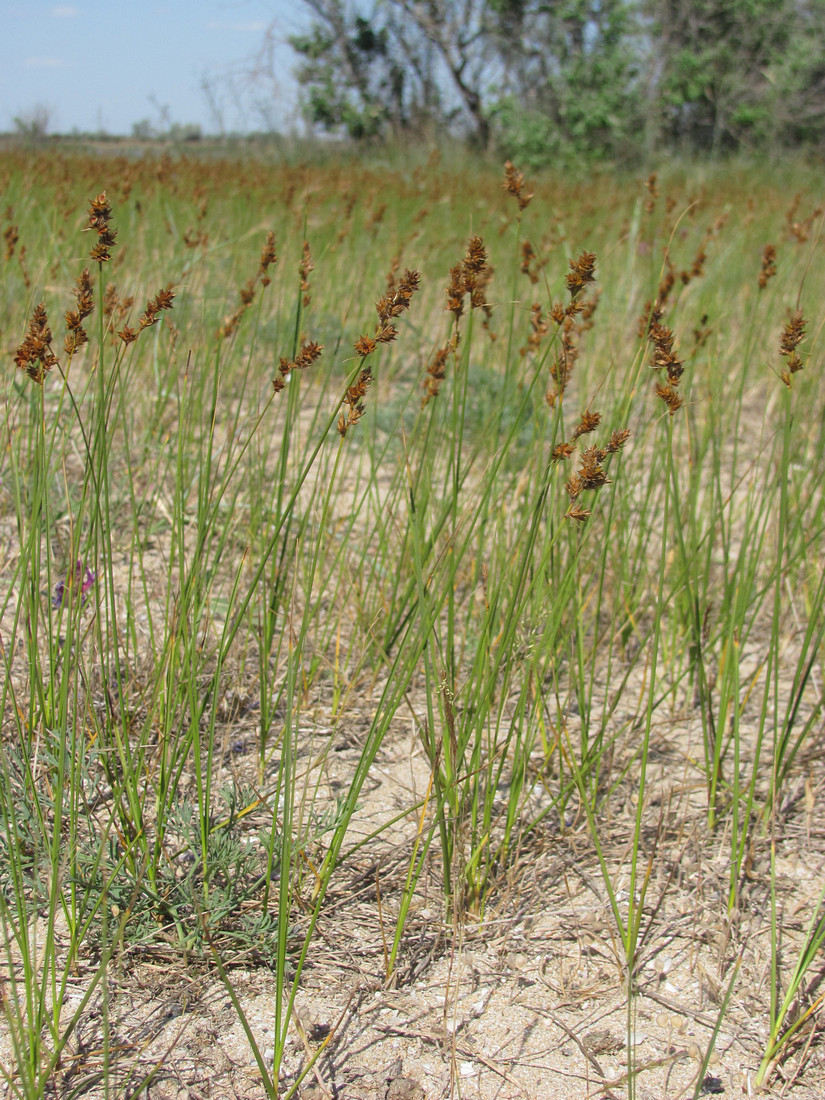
(528, 1002)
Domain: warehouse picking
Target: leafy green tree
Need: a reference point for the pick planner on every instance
(735, 73)
(458, 33)
(550, 80)
(572, 77)
(360, 75)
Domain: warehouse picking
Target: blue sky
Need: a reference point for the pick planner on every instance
(106, 66)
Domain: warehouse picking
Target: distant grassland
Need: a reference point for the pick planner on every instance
(535, 465)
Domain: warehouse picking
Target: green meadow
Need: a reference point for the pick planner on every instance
(313, 467)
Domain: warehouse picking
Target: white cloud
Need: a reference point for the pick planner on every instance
(64, 11)
(45, 63)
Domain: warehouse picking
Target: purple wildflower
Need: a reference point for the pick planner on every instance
(85, 581)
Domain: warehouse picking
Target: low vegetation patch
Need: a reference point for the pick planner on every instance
(405, 566)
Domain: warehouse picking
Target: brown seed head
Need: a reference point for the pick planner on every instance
(436, 372)
(398, 297)
(385, 334)
(352, 399)
(768, 268)
(455, 291)
(792, 336)
(247, 293)
(364, 346)
(268, 257)
(100, 213)
(663, 355)
(539, 327)
(84, 294)
(308, 354)
(588, 423)
(100, 254)
(11, 237)
(558, 313)
(74, 339)
(617, 440)
(475, 259)
(35, 356)
(582, 272)
(591, 472)
(109, 300)
(514, 185)
(561, 451)
(358, 390)
(670, 397)
(573, 486)
(161, 301)
(528, 255)
(409, 284)
(698, 266)
(128, 335)
(76, 335)
(585, 307)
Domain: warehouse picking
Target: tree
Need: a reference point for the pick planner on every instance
(541, 76)
(735, 73)
(361, 74)
(572, 76)
(569, 79)
(459, 32)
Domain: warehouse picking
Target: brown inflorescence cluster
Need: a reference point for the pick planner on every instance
(113, 303)
(76, 335)
(471, 276)
(582, 272)
(591, 474)
(246, 295)
(309, 353)
(663, 357)
(654, 310)
(572, 320)
(395, 301)
(11, 237)
(437, 368)
(161, 301)
(800, 230)
(529, 262)
(353, 400)
(539, 327)
(100, 214)
(652, 188)
(792, 336)
(514, 185)
(767, 269)
(392, 303)
(35, 355)
(269, 256)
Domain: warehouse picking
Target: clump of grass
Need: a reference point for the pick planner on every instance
(247, 515)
